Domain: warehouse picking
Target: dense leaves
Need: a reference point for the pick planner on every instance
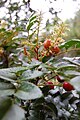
(56, 105)
(39, 79)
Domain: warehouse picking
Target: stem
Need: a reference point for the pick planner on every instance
(39, 22)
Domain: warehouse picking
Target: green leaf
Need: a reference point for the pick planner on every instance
(32, 18)
(62, 65)
(71, 72)
(74, 60)
(28, 91)
(27, 75)
(34, 63)
(9, 73)
(6, 89)
(14, 113)
(76, 83)
(51, 107)
(70, 43)
(30, 25)
(4, 86)
(36, 115)
(5, 104)
(46, 58)
(8, 92)
(7, 79)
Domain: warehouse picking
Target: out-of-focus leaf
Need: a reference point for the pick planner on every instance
(30, 36)
(76, 83)
(14, 113)
(6, 79)
(70, 43)
(5, 104)
(72, 72)
(4, 86)
(30, 25)
(32, 18)
(46, 58)
(6, 89)
(7, 92)
(63, 65)
(74, 60)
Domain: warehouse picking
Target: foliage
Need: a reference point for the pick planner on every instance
(16, 12)
(74, 27)
(30, 67)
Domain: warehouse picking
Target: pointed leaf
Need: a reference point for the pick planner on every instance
(32, 18)
(31, 24)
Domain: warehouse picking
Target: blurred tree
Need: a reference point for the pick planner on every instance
(74, 25)
(17, 12)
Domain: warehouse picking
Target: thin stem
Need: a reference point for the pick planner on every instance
(38, 29)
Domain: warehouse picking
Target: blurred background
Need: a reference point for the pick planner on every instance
(17, 12)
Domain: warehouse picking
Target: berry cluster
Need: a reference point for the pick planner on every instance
(66, 85)
(50, 49)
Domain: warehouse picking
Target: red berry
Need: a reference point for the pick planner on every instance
(59, 79)
(50, 84)
(67, 86)
(47, 44)
(55, 49)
